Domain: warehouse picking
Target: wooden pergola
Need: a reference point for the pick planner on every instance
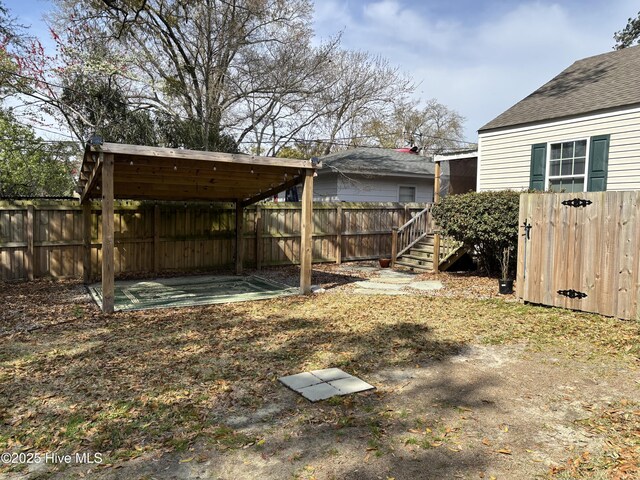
(133, 172)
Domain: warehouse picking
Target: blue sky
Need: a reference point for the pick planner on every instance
(477, 57)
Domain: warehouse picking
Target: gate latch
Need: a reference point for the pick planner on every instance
(572, 294)
(577, 202)
(527, 229)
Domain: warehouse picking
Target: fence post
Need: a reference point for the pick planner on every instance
(394, 245)
(338, 254)
(29, 256)
(258, 237)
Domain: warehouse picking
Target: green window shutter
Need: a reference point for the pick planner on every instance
(598, 162)
(538, 166)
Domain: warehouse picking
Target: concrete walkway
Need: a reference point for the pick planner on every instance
(390, 282)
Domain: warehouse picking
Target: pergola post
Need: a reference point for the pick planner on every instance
(107, 235)
(156, 239)
(306, 243)
(239, 237)
(86, 242)
(436, 237)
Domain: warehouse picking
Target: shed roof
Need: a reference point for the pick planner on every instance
(600, 83)
(378, 161)
(155, 173)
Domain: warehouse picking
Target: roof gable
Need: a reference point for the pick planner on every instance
(604, 82)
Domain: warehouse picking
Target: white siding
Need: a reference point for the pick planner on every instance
(505, 156)
(325, 188)
(357, 188)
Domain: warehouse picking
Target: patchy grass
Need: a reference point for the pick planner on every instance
(160, 380)
(621, 458)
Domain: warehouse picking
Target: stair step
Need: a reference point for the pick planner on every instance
(427, 241)
(414, 266)
(419, 254)
(427, 250)
(417, 258)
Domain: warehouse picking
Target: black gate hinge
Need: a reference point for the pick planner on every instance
(577, 202)
(527, 229)
(572, 294)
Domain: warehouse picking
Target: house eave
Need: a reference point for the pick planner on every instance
(545, 121)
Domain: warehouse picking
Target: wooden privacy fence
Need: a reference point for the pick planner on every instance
(45, 238)
(581, 251)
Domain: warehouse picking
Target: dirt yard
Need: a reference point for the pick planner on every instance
(468, 385)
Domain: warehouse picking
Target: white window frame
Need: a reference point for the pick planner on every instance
(415, 192)
(548, 177)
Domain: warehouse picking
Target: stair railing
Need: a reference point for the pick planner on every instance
(406, 236)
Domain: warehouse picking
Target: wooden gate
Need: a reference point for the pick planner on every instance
(581, 251)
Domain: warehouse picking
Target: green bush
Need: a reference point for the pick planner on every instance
(486, 222)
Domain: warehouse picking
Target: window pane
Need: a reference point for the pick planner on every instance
(567, 150)
(555, 185)
(569, 185)
(578, 166)
(578, 185)
(581, 148)
(566, 167)
(555, 151)
(554, 169)
(407, 194)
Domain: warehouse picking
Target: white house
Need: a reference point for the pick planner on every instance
(578, 132)
(374, 175)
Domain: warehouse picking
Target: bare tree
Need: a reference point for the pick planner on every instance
(366, 86)
(433, 128)
(196, 60)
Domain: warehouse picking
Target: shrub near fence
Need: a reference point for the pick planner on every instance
(45, 238)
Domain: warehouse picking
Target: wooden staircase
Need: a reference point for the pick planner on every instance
(420, 256)
(414, 245)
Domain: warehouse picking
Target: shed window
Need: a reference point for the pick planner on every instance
(567, 162)
(407, 194)
(570, 166)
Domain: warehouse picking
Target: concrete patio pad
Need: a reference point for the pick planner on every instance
(190, 291)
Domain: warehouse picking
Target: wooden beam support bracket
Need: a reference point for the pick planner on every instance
(273, 191)
(93, 178)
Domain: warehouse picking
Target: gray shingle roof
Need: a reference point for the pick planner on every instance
(377, 161)
(604, 82)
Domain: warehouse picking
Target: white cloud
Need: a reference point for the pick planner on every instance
(477, 64)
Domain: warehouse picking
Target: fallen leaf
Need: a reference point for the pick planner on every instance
(504, 451)
(486, 441)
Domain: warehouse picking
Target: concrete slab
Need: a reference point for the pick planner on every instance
(318, 392)
(350, 385)
(395, 281)
(395, 274)
(329, 374)
(188, 291)
(427, 285)
(300, 380)
(326, 383)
